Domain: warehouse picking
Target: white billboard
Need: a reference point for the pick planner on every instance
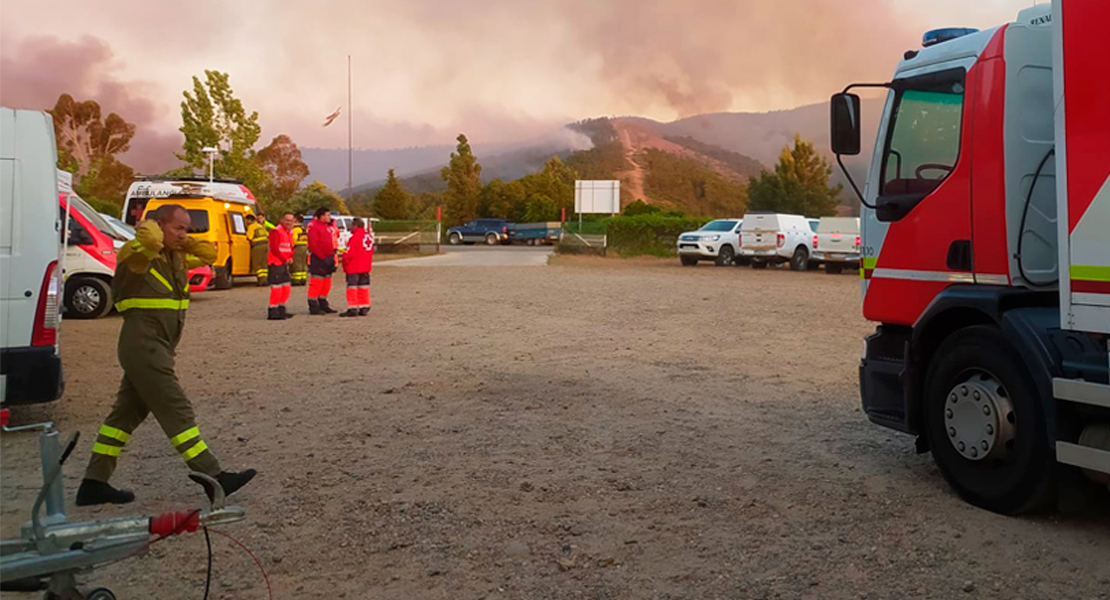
(597, 197)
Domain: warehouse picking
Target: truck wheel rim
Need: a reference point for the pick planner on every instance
(86, 298)
(979, 418)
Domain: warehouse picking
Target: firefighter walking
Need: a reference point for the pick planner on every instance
(259, 239)
(321, 262)
(280, 259)
(358, 261)
(151, 289)
(299, 272)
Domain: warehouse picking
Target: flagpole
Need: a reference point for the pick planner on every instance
(350, 136)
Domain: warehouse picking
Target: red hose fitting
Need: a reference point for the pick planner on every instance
(174, 523)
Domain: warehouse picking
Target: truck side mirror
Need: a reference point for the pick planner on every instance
(844, 124)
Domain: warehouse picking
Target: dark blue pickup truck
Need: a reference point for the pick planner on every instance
(490, 231)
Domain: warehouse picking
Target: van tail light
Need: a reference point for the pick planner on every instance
(814, 242)
(857, 241)
(739, 239)
(45, 329)
(504, 230)
(782, 240)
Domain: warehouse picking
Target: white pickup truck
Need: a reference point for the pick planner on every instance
(773, 238)
(836, 243)
(718, 241)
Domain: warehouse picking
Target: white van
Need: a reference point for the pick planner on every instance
(30, 246)
(837, 243)
(773, 238)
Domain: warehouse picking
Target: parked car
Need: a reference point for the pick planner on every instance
(837, 243)
(90, 255)
(718, 241)
(490, 231)
(775, 238)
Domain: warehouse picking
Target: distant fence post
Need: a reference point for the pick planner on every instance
(439, 227)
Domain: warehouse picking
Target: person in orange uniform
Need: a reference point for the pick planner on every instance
(321, 262)
(280, 260)
(358, 260)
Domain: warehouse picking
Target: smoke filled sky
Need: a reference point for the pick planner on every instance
(423, 70)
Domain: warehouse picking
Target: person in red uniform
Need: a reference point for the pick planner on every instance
(280, 258)
(358, 260)
(321, 262)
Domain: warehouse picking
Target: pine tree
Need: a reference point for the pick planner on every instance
(392, 202)
(464, 184)
(799, 184)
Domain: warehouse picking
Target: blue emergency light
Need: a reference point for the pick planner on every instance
(937, 36)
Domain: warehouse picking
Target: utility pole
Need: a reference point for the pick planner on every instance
(350, 135)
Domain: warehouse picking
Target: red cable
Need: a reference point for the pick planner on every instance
(269, 590)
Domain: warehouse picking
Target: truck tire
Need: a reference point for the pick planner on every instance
(454, 239)
(759, 264)
(800, 260)
(491, 239)
(725, 256)
(87, 298)
(222, 279)
(993, 449)
(834, 268)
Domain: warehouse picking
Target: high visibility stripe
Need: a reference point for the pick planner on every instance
(106, 450)
(1090, 273)
(185, 436)
(867, 264)
(917, 275)
(115, 434)
(193, 452)
(159, 277)
(152, 304)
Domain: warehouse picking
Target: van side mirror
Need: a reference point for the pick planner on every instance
(844, 134)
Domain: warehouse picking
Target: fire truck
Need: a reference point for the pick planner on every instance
(985, 255)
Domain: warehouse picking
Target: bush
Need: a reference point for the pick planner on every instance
(650, 234)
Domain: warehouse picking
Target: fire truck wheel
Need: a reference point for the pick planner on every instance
(985, 423)
(800, 260)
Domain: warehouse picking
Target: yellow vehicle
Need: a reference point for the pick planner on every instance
(218, 211)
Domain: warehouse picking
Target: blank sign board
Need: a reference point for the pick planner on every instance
(597, 197)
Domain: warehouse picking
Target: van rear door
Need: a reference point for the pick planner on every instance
(760, 232)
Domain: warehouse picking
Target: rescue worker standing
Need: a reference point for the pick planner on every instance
(358, 260)
(280, 258)
(299, 272)
(258, 237)
(151, 289)
(321, 262)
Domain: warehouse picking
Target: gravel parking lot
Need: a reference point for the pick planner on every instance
(598, 428)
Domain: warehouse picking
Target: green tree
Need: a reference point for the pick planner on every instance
(87, 147)
(464, 184)
(551, 187)
(503, 200)
(213, 117)
(799, 184)
(314, 196)
(392, 201)
(639, 207)
(540, 207)
(285, 168)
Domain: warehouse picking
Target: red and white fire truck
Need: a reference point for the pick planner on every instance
(985, 255)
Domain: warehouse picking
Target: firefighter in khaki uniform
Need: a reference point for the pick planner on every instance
(257, 235)
(152, 293)
(299, 271)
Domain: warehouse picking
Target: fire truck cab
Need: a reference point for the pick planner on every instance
(985, 255)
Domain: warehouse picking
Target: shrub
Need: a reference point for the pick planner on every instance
(650, 234)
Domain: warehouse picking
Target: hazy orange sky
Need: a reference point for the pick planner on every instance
(426, 69)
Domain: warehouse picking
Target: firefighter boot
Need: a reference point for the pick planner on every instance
(93, 492)
(350, 312)
(275, 314)
(284, 312)
(365, 310)
(314, 307)
(324, 306)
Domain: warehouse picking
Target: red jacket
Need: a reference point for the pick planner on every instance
(281, 246)
(359, 257)
(321, 243)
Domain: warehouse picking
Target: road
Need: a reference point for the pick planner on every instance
(599, 429)
(478, 256)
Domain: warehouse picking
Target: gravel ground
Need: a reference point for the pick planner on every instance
(596, 429)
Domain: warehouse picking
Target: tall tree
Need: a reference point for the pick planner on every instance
(314, 196)
(392, 201)
(799, 184)
(464, 183)
(87, 147)
(282, 162)
(503, 200)
(213, 117)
